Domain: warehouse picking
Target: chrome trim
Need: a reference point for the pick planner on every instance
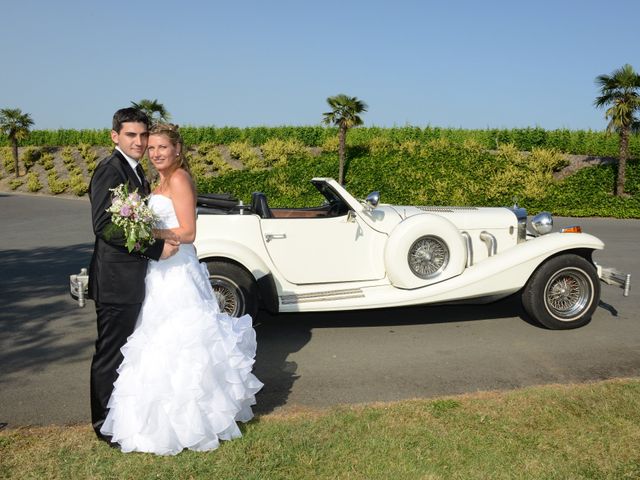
(322, 296)
(611, 276)
(274, 236)
(490, 240)
(447, 209)
(521, 216)
(467, 239)
(79, 286)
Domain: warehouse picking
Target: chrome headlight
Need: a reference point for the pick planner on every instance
(542, 223)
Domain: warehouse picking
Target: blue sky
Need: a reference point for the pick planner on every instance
(467, 64)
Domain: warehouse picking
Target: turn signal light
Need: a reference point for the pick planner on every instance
(574, 229)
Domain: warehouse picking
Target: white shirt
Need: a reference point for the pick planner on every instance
(132, 163)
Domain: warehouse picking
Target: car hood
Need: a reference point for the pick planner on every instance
(385, 217)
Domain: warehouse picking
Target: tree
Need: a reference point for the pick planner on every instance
(154, 110)
(344, 114)
(619, 92)
(15, 125)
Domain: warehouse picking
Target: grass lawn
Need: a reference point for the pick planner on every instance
(560, 432)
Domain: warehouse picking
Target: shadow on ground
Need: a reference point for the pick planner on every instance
(38, 318)
(283, 334)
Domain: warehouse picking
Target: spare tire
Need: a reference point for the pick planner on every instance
(424, 249)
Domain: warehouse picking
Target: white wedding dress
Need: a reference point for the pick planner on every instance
(186, 375)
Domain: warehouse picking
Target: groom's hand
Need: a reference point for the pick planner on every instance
(170, 248)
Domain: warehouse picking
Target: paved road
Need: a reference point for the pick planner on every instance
(310, 360)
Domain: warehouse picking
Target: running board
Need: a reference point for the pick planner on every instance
(322, 296)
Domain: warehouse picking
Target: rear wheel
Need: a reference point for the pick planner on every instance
(563, 292)
(234, 288)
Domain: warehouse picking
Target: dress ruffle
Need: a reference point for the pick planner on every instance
(186, 375)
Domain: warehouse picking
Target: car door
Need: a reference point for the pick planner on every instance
(324, 250)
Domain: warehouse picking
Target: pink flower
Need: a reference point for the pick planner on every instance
(125, 211)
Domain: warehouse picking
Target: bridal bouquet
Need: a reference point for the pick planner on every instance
(131, 216)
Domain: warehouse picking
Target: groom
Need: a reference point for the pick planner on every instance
(116, 277)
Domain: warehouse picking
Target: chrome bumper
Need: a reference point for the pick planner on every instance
(612, 276)
(78, 286)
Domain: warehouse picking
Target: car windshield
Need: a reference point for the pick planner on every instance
(328, 193)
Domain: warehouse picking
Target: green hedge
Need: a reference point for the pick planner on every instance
(450, 175)
(583, 142)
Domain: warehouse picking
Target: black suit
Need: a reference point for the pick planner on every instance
(116, 282)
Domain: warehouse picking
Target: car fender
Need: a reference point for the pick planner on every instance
(239, 253)
(406, 233)
(510, 270)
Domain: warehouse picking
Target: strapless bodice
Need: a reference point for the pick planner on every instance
(163, 207)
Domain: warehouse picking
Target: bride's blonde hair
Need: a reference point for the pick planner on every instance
(172, 132)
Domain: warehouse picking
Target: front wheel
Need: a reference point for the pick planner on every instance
(235, 288)
(563, 292)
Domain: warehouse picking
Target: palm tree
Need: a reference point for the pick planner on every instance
(154, 110)
(15, 125)
(619, 92)
(344, 114)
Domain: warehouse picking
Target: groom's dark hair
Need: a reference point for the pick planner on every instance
(129, 114)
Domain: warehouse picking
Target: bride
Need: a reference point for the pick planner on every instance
(186, 375)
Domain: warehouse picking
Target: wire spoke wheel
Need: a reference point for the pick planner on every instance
(234, 287)
(563, 292)
(568, 293)
(228, 294)
(428, 256)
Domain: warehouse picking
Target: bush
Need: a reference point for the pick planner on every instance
(56, 186)
(278, 152)
(410, 147)
(246, 154)
(78, 185)
(214, 159)
(33, 182)
(67, 156)
(331, 144)
(7, 160)
(379, 146)
(87, 153)
(15, 183)
(198, 171)
(46, 160)
(30, 156)
(73, 169)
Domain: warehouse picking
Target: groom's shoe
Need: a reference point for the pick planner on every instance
(107, 439)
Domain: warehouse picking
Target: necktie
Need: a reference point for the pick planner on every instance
(146, 188)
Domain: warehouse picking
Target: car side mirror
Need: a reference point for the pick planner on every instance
(373, 199)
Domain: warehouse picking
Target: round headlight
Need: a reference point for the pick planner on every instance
(542, 223)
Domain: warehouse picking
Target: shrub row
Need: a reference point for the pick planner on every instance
(583, 142)
(447, 174)
(438, 172)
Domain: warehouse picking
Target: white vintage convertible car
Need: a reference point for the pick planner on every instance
(348, 254)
